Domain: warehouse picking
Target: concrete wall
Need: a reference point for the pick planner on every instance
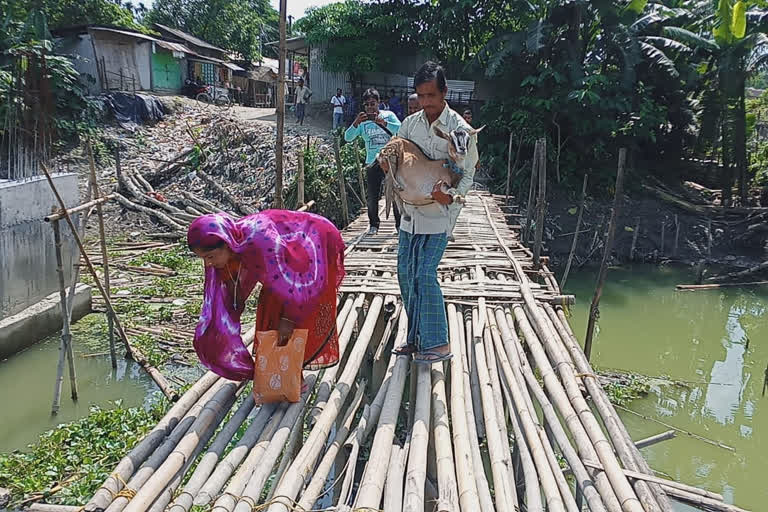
(80, 48)
(27, 255)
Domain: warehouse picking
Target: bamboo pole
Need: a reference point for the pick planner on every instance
(481, 481)
(357, 438)
(393, 490)
(530, 475)
(211, 484)
(416, 473)
(315, 486)
(652, 496)
(280, 107)
(65, 347)
(212, 456)
(651, 440)
(509, 169)
(305, 460)
(474, 379)
(176, 460)
(340, 176)
(541, 205)
(292, 419)
(58, 215)
(677, 236)
(582, 202)
(505, 495)
(594, 307)
(531, 189)
(300, 180)
(372, 484)
(228, 499)
(104, 255)
(465, 472)
(158, 377)
(139, 453)
(530, 430)
(635, 234)
(446, 471)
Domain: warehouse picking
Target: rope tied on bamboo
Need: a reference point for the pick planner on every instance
(126, 492)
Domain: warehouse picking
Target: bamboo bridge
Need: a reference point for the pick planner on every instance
(516, 420)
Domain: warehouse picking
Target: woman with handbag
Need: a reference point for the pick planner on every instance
(297, 257)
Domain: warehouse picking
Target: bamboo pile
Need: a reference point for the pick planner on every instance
(488, 430)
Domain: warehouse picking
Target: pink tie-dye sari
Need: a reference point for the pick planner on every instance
(297, 256)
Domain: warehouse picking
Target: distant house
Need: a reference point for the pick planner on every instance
(258, 83)
(111, 58)
(205, 62)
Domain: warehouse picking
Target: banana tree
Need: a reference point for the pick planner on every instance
(737, 47)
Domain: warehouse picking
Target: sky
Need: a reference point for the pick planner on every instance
(296, 8)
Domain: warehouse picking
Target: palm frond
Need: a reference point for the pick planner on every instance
(646, 21)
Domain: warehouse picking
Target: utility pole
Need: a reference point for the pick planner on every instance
(280, 110)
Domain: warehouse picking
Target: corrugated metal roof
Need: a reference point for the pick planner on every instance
(175, 47)
(124, 32)
(233, 67)
(189, 38)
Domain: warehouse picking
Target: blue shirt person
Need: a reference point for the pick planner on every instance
(375, 127)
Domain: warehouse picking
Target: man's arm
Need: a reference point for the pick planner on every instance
(352, 132)
(405, 128)
(393, 123)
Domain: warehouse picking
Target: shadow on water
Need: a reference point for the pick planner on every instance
(699, 337)
(27, 383)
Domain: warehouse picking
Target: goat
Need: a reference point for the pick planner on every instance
(412, 175)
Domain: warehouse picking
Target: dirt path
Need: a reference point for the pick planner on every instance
(312, 126)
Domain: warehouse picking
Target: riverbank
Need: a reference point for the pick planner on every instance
(651, 230)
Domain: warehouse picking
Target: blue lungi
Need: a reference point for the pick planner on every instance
(417, 260)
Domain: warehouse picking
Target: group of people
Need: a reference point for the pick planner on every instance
(298, 257)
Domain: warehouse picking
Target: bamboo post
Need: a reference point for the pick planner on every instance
(635, 234)
(509, 169)
(65, 347)
(104, 255)
(118, 169)
(280, 110)
(416, 474)
(663, 234)
(300, 180)
(677, 236)
(531, 189)
(709, 238)
(540, 203)
(159, 379)
(342, 189)
(582, 201)
(593, 309)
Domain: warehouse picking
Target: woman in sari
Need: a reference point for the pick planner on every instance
(298, 258)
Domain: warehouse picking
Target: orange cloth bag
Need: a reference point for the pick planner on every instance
(277, 368)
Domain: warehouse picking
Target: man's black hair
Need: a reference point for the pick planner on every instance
(371, 93)
(428, 72)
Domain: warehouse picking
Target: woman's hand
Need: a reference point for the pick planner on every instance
(285, 330)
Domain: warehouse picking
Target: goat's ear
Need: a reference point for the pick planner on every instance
(475, 131)
(440, 133)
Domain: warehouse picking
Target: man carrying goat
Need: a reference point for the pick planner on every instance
(424, 229)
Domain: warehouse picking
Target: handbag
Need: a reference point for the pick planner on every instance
(278, 367)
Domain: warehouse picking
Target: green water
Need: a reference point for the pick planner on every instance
(27, 381)
(701, 337)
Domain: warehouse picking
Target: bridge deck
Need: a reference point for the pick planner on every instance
(488, 430)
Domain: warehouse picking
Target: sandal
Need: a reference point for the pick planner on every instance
(404, 350)
(430, 357)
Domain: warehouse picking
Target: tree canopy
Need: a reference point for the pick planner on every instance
(236, 25)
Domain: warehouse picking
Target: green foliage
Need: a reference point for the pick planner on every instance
(67, 13)
(81, 453)
(234, 25)
(321, 182)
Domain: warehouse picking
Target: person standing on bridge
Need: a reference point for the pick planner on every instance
(413, 104)
(376, 127)
(298, 257)
(424, 230)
